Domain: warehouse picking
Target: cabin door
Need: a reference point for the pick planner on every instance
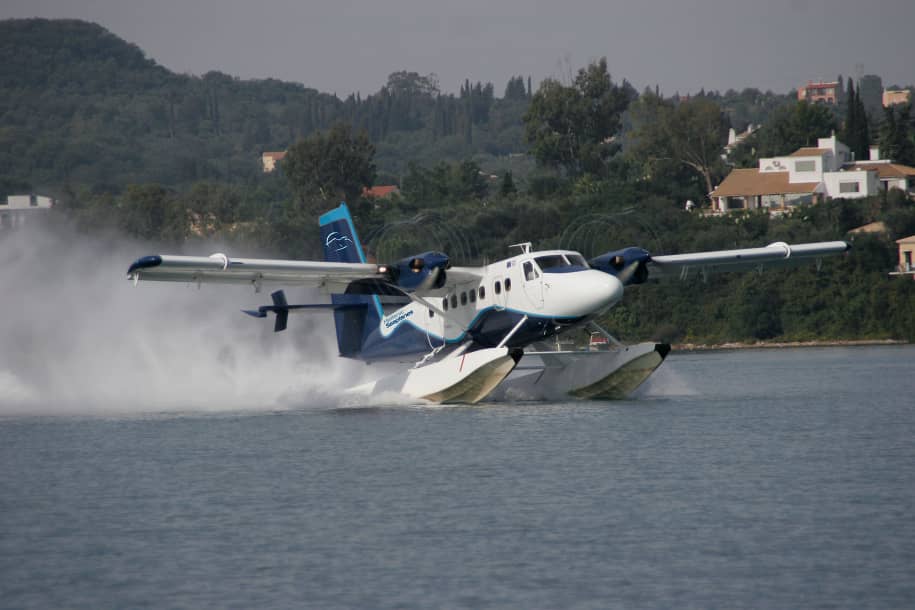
(533, 284)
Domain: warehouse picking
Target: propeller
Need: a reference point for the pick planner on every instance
(628, 272)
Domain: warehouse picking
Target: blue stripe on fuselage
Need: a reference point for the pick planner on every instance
(487, 329)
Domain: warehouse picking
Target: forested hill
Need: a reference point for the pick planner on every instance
(78, 105)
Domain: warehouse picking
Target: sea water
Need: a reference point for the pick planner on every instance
(780, 478)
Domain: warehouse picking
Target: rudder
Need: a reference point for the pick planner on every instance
(361, 313)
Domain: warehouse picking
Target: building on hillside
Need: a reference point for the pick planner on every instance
(15, 209)
(750, 189)
(890, 175)
(871, 228)
(870, 91)
(893, 97)
(805, 176)
(906, 256)
(382, 191)
(270, 159)
(736, 139)
(820, 92)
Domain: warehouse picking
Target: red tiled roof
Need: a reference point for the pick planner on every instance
(871, 227)
(276, 156)
(380, 191)
(887, 171)
(751, 182)
(810, 152)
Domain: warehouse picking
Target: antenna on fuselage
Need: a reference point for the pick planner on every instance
(525, 247)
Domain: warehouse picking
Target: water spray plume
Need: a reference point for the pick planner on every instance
(77, 338)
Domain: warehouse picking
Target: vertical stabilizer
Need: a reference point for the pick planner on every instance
(361, 313)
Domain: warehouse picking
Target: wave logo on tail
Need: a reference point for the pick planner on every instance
(337, 241)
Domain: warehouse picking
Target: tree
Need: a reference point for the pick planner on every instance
(887, 134)
(572, 127)
(412, 84)
(691, 132)
(794, 126)
(904, 137)
(330, 166)
(856, 134)
(149, 211)
(508, 185)
(515, 89)
(895, 141)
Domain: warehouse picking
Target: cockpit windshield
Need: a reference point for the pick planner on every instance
(559, 263)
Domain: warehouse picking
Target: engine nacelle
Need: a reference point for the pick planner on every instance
(426, 271)
(630, 265)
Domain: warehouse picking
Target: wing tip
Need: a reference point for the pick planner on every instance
(144, 262)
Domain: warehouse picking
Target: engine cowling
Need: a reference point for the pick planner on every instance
(630, 265)
(421, 271)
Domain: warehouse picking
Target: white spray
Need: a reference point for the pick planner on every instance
(77, 338)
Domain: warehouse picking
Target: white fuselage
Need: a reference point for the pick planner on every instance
(553, 284)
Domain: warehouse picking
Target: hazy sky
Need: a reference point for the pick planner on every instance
(343, 46)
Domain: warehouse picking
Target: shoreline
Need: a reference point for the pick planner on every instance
(703, 347)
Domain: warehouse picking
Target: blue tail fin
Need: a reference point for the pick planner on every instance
(363, 314)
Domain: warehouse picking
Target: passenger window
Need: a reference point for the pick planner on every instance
(463, 298)
(431, 314)
(482, 293)
(508, 284)
(472, 295)
(445, 303)
(453, 301)
(498, 287)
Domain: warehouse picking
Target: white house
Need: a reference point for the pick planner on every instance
(890, 175)
(16, 208)
(801, 177)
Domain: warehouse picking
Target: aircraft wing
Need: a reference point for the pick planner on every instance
(219, 268)
(777, 254)
(463, 275)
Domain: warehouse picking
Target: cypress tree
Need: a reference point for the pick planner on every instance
(863, 139)
(850, 116)
(508, 185)
(857, 135)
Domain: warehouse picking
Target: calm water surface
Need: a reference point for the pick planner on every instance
(746, 479)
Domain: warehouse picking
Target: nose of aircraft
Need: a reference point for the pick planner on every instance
(601, 290)
(585, 292)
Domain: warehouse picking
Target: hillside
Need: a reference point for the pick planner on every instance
(78, 105)
(130, 147)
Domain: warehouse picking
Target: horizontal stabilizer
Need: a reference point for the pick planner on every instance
(281, 308)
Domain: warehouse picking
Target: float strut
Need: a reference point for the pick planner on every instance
(512, 331)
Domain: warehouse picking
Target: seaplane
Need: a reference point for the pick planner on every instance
(466, 334)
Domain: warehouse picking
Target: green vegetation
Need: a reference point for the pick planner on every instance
(132, 148)
(856, 132)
